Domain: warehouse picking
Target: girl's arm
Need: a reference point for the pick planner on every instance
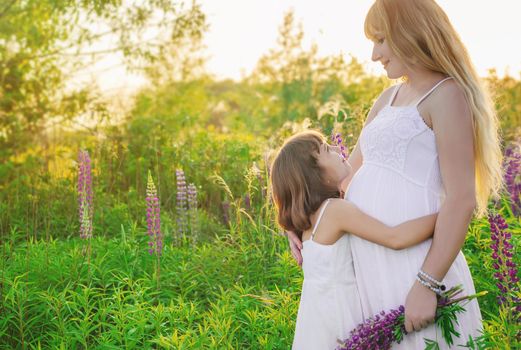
(348, 218)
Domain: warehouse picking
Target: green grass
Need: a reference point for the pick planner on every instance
(214, 296)
(239, 291)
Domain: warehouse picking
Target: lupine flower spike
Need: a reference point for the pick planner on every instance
(337, 140)
(506, 272)
(85, 194)
(155, 243)
(386, 328)
(181, 204)
(512, 177)
(192, 209)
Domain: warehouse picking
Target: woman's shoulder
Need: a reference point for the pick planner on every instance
(448, 99)
(448, 94)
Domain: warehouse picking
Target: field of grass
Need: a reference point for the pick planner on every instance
(237, 291)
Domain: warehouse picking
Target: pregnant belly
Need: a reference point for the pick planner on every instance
(390, 197)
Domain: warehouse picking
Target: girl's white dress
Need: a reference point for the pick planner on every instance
(329, 303)
(400, 180)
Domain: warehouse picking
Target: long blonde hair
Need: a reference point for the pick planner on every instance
(420, 33)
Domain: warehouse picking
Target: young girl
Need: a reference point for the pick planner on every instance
(305, 177)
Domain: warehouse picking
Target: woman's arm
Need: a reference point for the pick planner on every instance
(452, 124)
(349, 218)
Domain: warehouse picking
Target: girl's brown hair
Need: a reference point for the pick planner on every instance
(298, 183)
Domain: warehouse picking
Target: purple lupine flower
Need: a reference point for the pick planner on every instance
(85, 208)
(247, 202)
(192, 210)
(337, 140)
(182, 204)
(377, 332)
(226, 212)
(512, 177)
(386, 328)
(506, 272)
(260, 178)
(155, 243)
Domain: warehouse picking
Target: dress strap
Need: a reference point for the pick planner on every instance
(431, 90)
(318, 219)
(396, 88)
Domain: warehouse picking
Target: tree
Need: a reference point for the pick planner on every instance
(43, 43)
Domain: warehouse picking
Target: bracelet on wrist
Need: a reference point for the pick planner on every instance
(441, 287)
(429, 286)
(428, 278)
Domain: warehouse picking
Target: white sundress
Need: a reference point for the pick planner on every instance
(400, 180)
(329, 304)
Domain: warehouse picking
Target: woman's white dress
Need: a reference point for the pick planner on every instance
(400, 180)
(329, 303)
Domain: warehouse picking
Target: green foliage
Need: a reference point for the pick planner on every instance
(240, 290)
(44, 43)
(219, 295)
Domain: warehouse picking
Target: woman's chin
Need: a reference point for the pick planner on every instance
(392, 75)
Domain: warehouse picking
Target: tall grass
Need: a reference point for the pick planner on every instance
(239, 291)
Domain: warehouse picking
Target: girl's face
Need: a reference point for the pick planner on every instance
(392, 64)
(330, 160)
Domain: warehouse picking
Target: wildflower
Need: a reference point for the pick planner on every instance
(192, 209)
(247, 202)
(182, 203)
(506, 272)
(226, 212)
(155, 243)
(85, 194)
(386, 328)
(337, 140)
(376, 332)
(512, 175)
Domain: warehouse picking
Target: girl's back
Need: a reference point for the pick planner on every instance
(329, 305)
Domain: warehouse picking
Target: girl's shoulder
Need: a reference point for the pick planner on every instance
(325, 222)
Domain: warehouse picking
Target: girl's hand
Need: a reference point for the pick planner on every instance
(295, 244)
(420, 308)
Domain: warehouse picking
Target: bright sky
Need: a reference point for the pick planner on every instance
(243, 30)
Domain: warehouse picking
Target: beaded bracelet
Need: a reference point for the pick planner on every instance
(441, 287)
(437, 291)
(431, 279)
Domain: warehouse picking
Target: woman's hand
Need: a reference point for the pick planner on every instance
(420, 308)
(295, 244)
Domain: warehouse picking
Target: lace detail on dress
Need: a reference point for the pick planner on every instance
(386, 138)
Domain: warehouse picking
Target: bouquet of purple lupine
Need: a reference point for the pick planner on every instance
(386, 328)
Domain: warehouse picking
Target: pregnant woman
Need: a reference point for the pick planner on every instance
(429, 145)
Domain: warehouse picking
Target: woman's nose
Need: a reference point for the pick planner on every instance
(375, 56)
